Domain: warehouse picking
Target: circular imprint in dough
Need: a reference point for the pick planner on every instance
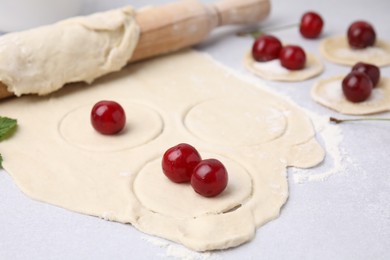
(181, 201)
(143, 124)
(235, 123)
(329, 93)
(272, 70)
(336, 49)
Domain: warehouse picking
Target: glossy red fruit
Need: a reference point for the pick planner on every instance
(311, 25)
(292, 57)
(357, 86)
(371, 70)
(108, 117)
(361, 35)
(209, 178)
(179, 162)
(266, 48)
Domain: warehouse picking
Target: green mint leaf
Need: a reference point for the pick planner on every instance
(7, 127)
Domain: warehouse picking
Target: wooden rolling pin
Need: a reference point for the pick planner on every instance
(174, 26)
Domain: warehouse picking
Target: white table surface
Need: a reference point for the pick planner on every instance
(344, 217)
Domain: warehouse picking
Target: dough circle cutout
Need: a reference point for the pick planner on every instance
(143, 124)
(272, 70)
(151, 183)
(336, 49)
(258, 122)
(328, 92)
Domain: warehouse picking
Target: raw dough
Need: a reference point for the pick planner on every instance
(329, 93)
(57, 157)
(336, 49)
(77, 49)
(272, 70)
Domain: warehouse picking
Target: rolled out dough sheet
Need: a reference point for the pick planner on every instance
(56, 157)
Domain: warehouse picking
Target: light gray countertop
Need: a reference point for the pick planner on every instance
(345, 217)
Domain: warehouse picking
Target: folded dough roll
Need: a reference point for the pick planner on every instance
(42, 60)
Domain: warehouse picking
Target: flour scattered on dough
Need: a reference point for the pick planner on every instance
(328, 92)
(176, 251)
(377, 94)
(271, 66)
(333, 90)
(275, 67)
(336, 49)
(273, 70)
(364, 53)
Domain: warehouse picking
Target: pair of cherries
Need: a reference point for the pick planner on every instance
(182, 164)
(358, 84)
(268, 47)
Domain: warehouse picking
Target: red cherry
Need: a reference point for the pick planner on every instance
(311, 25)
(179, 162)
(108, 117)
(209, 178)
(361, 35)
(292, 57)
(266, 48)
(372, 71)
(357, 86)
